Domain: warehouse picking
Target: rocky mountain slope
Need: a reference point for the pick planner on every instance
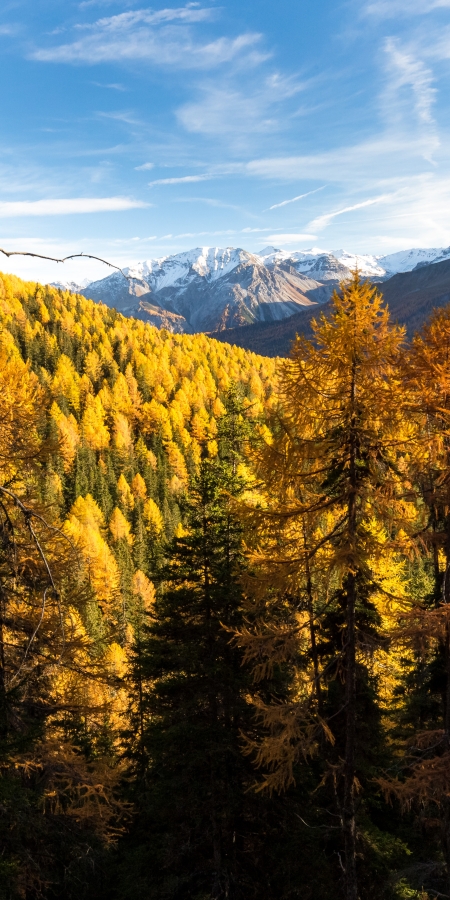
(212, 289)
(209, 290)
(411, 297)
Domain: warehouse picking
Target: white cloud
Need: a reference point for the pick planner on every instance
(226, 110)
(321, 222)
(85, 4)
(111, 87)
(389, 9)
(145, 167)
(183, 180)
(212, 201)
(407, 71)
(393, 155)
(126, 20)
(294, 199)
(126, 116)
(290, 238)
(160, 37)
(68, 207)
(438, 43)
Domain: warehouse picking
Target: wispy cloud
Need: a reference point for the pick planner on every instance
(406, 70)
(393, 154)
(185, 179)
(211, 201)
(390, 9)
(85, 4)
(226, 109)
(150, 17)
(227, 232)
(126, 116)
(68, 207)
(111, 87)
(300, 197)
(161, 37)
(290, 238)
(321, 222)
(145, 167)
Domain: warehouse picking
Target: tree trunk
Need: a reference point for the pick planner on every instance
(3, 699)
(348, 812)
(312, 627)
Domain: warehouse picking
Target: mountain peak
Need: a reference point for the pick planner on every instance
(215, 288)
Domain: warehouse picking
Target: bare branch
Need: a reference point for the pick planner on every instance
(9, 253)
(29, 514)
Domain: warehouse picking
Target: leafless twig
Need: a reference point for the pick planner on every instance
(29, 514)
(64, 259)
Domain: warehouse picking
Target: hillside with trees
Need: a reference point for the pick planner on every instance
(224, 625)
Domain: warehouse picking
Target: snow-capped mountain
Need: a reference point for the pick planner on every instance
(329, 265)
(407, 260)
(72, 286)
(212, 289)
(209, 289)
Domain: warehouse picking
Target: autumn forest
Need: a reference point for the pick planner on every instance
(224, 607)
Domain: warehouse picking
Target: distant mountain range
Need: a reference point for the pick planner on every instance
(213, 290)
(411, 297)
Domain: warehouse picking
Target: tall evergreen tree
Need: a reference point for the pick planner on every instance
(193, 776)
(424, 718)
(334, 513)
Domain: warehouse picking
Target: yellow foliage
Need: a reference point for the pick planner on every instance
(22, 411)
(66, 382)
(139, 487)
(93, 366)
(144, 589)
(152, 516)
(180, 532)
(176, 460)
(125, 495)
(93, 429)
(68, 433)
(83, 527)
(119, 527)
(123, 438)
(116, 660)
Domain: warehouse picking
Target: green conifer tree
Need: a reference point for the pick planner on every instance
(193, 703)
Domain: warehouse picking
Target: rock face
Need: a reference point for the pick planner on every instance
(212, 289)
(411, 297)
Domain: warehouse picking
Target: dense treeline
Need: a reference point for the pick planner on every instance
(224, 629)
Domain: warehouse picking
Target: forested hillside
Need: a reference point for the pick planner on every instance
(224, 620)
(104, 421)
(141, 401)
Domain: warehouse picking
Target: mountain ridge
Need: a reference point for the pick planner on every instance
(213, 289)
(411, 297)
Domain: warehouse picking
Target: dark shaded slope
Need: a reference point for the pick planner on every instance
(411, 297)
(249, 293)
(269, 338)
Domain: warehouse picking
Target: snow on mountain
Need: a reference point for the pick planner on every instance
(213, 288)
(407, 260)
(330, 264)
(370, 266)
(210, 288)
(72, 286)
(207, 262)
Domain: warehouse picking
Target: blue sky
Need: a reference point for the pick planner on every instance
(132, 131)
